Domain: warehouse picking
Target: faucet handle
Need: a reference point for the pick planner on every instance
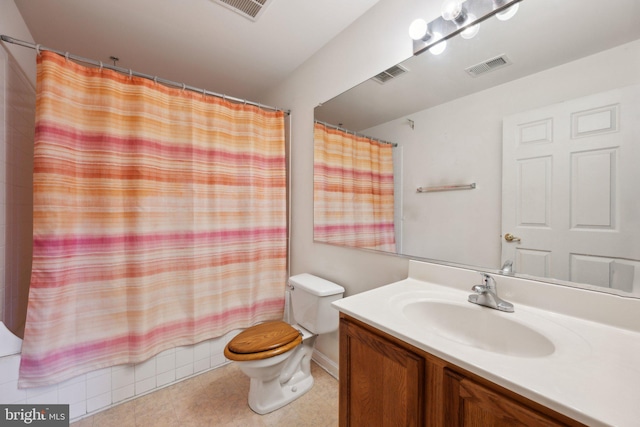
(488, 281)
(486, 284)
(479, 289)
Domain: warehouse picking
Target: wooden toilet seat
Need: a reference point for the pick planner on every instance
(263, 341)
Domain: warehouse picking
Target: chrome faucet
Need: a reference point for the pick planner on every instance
(507, 268)
(487, 294)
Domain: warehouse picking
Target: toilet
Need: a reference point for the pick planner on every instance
(275, 355)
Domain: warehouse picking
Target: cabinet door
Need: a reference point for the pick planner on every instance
(470, 404)
(381, 383)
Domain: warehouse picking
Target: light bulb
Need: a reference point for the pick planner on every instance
(509, 13)
(440, 47)
(472, 31)
(451, 9)
(418, 29)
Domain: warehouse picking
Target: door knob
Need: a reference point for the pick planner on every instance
(511, 238)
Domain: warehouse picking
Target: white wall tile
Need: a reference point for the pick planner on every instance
(122, 376)
(165, 378)
(98, 384)
(98, 402)
(99, 373)
(201, 351)
(217, 345)
(120, 394)
(32, 393)
(77, 409)
(48, 397)
(145, 385)
(10, 393)
(145, 370)
(202, 364)
(218, 360)
(9, 368)
(184, 356)
(165, 363)
(72, 392)
(184, 371)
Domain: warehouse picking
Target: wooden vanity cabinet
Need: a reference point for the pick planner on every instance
(387, 382)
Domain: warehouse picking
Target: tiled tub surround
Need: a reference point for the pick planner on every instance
(98, 390)
(592, 377)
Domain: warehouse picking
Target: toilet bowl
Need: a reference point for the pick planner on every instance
(275, 355)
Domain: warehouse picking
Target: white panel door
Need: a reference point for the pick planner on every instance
(571, 190)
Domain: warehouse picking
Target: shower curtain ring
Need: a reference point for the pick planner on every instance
(66, 56)
(184, 86)
(204, 93)
(38, 49)
(155, 79)
(130, 74)
(101, 65)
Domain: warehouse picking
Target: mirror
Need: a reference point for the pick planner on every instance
(489, 126)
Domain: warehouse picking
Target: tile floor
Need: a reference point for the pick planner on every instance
(219, 398)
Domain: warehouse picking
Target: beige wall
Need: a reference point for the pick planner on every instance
(376, 41)
(11, 24)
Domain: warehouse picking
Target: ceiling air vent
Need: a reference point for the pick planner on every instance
(488, 65)
(390, 74)
(250, 9)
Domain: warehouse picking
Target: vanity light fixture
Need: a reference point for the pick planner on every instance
(457, 17)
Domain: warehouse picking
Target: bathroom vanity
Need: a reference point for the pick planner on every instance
(383, 378)
(417, 353)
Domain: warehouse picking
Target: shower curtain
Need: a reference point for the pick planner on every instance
(159, 220)
(353, 190)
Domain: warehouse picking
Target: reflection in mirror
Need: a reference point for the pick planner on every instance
(549, 137)
(352, 189)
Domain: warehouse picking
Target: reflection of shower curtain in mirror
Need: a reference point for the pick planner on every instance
(159, 220)
(353, 190)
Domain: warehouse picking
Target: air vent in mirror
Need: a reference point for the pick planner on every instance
(488, 65)
(390, 74)
(251, 9)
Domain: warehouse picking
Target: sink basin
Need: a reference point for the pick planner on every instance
(478, 327)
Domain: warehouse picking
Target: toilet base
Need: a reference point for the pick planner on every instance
(275, 388)
(267, 396)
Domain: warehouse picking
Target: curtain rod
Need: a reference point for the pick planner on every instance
(382, 141)
(129, 72)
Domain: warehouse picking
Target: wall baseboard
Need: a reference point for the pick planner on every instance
(326, 363)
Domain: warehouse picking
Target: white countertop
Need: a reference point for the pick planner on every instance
(592, 376)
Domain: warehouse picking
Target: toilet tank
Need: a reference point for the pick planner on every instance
(311, 299)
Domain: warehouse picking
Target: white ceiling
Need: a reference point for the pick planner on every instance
(198, 42)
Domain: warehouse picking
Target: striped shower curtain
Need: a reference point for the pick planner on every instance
(353, 190)
(159, 220)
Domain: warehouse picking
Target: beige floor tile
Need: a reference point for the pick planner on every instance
(218, 398)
